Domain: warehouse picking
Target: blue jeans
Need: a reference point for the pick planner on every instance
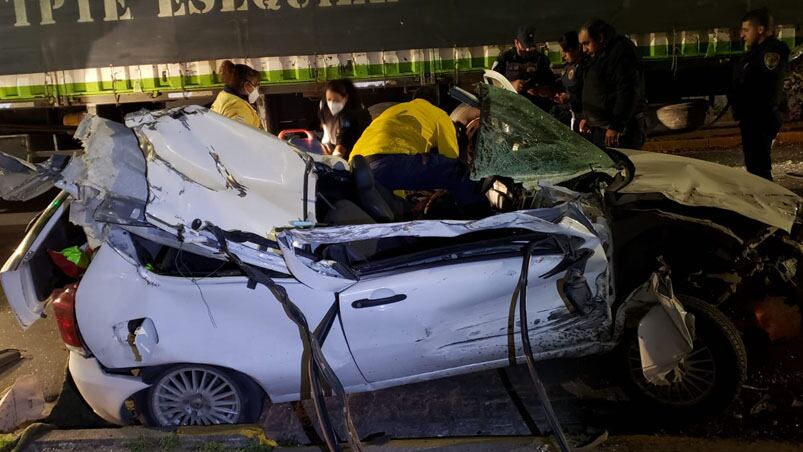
(428, 171)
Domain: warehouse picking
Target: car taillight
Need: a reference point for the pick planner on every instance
(64, 309)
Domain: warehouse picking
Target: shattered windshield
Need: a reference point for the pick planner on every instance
(521, 141)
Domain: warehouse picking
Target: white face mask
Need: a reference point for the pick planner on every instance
(335, 107)
(253, 95)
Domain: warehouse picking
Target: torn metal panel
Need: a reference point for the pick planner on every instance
(21, 181)
(664, 342)
(112, 162)
(107, 181)
(548, 221)
(316, 275)
(196, 243)
(699, 183)
(204, 166)
(665, 330)
(326, 275)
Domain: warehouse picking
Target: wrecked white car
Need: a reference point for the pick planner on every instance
(227, 265)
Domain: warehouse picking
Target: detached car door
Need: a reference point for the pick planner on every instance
(450, 312)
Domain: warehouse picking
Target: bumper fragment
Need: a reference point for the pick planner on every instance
(105, 393)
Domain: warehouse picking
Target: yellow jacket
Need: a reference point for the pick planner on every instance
(235, 108)
(409, 128)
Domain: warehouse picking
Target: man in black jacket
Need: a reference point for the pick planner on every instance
(757, 93)
(528, 69)
(613, 88)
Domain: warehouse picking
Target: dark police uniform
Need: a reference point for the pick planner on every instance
(572, 81)
(613, 94)
(756, 99)
(533, 68)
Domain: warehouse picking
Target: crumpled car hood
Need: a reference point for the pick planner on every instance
(698, 183)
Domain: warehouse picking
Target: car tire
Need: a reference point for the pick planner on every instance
(714, 371)
(193, 394)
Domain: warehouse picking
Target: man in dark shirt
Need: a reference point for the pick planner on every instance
(572, 76)
(757, 92)
(613, 88)
(528, 69)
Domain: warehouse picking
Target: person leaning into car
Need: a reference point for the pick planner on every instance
(413, 146)
(240, 92)
(613, 88)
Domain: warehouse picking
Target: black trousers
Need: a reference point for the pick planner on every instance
(757, 136)
(633, 137)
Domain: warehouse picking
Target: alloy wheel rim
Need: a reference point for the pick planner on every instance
(694, 379)
(196, 396)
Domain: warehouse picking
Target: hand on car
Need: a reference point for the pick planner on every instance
(612, 138)
(518, 85)
(582, 127)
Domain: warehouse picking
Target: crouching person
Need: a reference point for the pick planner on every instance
(413, 146)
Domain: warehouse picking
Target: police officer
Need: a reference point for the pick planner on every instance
(613, 88)
(757, 92)
(527, 69)
(572, 77)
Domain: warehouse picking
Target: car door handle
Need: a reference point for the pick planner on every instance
(369, 303)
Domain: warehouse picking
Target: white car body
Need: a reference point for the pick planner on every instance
(447, 315)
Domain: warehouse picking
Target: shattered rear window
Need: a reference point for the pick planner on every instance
(521, 141)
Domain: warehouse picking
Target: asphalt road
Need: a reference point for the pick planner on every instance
(489, 403)
(43, 352)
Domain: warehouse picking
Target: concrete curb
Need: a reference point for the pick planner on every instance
(140, 439)
(220, 438)
(682, 145)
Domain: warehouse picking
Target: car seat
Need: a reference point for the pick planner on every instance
(376, 200)
(494, 78)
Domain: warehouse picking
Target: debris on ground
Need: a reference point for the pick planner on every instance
(762, 405)
(23, 402)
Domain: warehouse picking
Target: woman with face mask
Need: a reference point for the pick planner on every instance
(342, 116)
(240, 92)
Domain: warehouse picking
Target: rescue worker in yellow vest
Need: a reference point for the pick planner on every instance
(413, 146)
(240, 92)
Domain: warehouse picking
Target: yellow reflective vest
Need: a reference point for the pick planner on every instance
(236, 108)
(409, 128)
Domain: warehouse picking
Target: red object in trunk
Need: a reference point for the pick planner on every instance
(64, 309)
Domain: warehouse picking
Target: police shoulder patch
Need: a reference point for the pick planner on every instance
(570, 74)
(771, 60)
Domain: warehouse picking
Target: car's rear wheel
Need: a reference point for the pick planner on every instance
(709, 378)
(200, 395)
